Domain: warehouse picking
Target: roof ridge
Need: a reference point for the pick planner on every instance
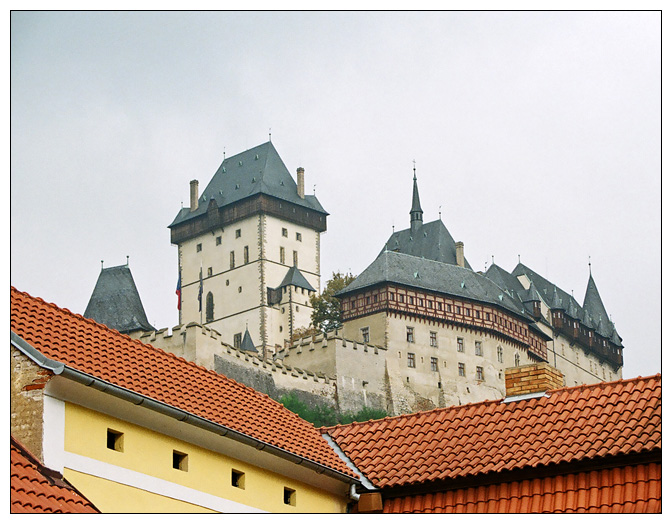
(483, 403)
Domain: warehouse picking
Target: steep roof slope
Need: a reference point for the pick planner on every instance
(431, 241)
(408, 270)
(36, 489)
(605, 420)
(115, 301)
(92, 348)
(259, 170)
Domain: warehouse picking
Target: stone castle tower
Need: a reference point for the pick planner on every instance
(249, 251)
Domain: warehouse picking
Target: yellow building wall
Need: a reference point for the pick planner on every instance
(151, 453)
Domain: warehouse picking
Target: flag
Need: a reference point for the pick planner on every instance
(200, 289)
(178, 292)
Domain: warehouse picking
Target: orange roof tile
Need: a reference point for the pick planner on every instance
(92, 348)
(628, 489)
(36, 489)
(496, 437)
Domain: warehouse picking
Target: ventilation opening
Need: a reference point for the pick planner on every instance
(237, 479)
(290, 497)
(115, 440)
(180, 461)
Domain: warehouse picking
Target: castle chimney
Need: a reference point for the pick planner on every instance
(300, 182)
(530, 379)
(193, 195)
(459, 253)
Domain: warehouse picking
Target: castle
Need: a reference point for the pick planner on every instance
(421, 329)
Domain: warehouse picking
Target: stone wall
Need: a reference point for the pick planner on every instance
(27, 401)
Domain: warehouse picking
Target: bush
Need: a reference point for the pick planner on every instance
(322, 415)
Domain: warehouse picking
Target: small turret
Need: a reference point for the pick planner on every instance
(416, 210)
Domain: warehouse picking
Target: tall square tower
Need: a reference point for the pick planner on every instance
(249, 250)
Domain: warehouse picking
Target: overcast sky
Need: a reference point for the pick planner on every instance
(534, 135)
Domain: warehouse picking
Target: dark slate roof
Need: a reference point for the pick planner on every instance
(593, 304)
(294, 277)
(247, 344)
(430, 275)
(431, 241)
(116, 303)
(415, 203)
(259, 170)
(505, 280)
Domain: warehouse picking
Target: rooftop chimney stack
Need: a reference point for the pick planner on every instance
(300, 182)
(459, 253)
(533, 378)
(193, 195)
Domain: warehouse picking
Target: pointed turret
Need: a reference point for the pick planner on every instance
(416, 210)
(115, 301)
(247, 344)
(592, 302)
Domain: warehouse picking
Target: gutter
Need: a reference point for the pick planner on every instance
(58, 368)
(364, 482)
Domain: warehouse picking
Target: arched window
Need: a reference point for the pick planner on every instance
(209, 307)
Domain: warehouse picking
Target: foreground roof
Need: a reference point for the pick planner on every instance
(115, 301)
(259, 170)
(36, 489)
(91, 348)
(609, 420)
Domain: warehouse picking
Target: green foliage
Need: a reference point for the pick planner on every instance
(326, 314)
(322, 415)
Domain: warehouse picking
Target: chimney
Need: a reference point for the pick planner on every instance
(193, 195)
(533, 378)
(300, 183)
(459, 253)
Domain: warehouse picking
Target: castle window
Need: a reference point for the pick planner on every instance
(391, 296)
(218, 241)
(237, 233)
(434, 364)
(460, 369)
(487, 316)
(199, 247)
(289, 497)
(237, 339)
(180, 461)
(296, 258)
(500, 354)
(237, 479)
(284, 231)
(457, 309)
(478, 348)
(411, 301)
(410, 360)
(209, 307)
(409, 335)
(298, 237)
(433, 340)
(479, 373)
(209, 271)
(232, 259)
(240, 289)
(282, 255)
(516, 360)
(115, 440)
(439, 306)
(460, 345)
(477, 314)
(246, 255)
(365, 335)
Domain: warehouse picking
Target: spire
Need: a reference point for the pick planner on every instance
(592, 302)
(416, 210)
(556, 301)
(247, 344)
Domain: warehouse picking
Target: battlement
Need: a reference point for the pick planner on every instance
(321, 341)
(200, 344)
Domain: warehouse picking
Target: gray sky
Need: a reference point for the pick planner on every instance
(535, 134)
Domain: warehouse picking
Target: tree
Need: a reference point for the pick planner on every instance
(326, 314)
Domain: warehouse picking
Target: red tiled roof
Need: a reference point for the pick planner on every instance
(35, 489)
(609, 419)
(92, 348)
(628, 489)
